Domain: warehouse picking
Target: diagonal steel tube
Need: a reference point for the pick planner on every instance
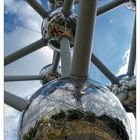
(110, 6)
(65, 54)
(56, 58)
(38, 8)
(13, 78)
(83, 38)
(66, 10)
(14, 101)
(132, 57)
(122, 96)
(24, 51)
(104, 69)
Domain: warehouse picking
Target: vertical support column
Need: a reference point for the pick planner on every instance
(65, 56)
(83, 39)
(132, 57)
(66, 10)
(56, 58)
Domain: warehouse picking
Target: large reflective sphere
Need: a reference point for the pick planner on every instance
(74, 109)
(56, 26)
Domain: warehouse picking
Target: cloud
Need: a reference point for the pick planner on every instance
(28, 17)
(10, 122)
(125, 61)
(15, 40)
(24, 12)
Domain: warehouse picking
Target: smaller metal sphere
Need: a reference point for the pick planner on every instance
(131, 5)
(55, 3)
(49, 74)
(127, 86)
(127, 83)
(130, 84)
(57, 26)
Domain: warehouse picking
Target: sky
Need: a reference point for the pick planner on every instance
(111, 43)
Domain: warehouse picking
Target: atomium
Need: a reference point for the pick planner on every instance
(55, 3)
(57, 26)
(49, 74)
(71, 109)
(131, 5)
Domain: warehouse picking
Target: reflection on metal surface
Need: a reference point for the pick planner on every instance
(49, 74)
(128, 86)
(56, 26)
(72, 109)
(131, 5)
(55, 3)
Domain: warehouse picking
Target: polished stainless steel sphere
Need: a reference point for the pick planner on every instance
(49, 74)
(127, 83)
(74, 109)
(128, 86)
(131, 5)
(52, 4)
(57, 26)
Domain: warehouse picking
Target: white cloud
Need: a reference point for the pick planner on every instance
(28, 17)
(11, 122)
(9, 112)
(15, 40)
(125, 60)
(24, 12)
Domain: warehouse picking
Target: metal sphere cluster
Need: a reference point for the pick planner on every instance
(131, 5)
(55, 3)
(57, 26)
(49, 74)
(72, 109)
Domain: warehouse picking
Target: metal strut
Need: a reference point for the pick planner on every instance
(83, 38)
